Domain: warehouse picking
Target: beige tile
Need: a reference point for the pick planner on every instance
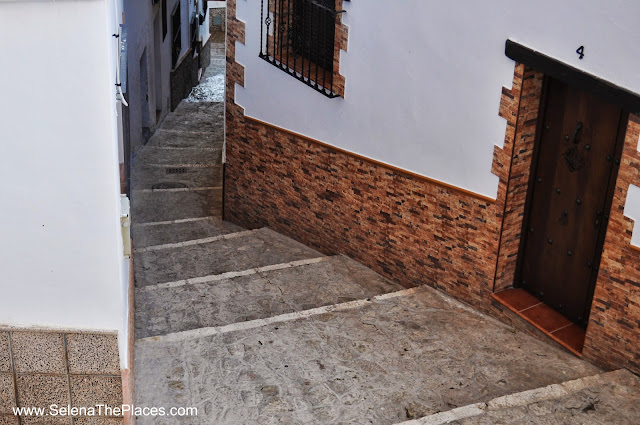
(42, 390)
(91, 390)
(93, 354)
(8, 420)
(39, 352)
(98, 421)
(5, 359)
(7, 394)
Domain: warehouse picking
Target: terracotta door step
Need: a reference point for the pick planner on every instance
(543, 317)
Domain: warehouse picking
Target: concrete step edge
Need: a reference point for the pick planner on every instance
(233, 274)
(178, 337)
(516, 399)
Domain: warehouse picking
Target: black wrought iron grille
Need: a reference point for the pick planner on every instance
(298, 37)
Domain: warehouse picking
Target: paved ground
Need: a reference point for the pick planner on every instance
(211, 88)
(252, 327)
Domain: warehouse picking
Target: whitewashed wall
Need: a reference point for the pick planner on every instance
(140, 17)
(423, 78)
(61, 259)
(632, 210)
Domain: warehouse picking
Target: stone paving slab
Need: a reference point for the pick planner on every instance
(146, 177)
(337, 279)
(194, 122)
(211, 108)
(163, 206)
(383, 363)
(260, 248)
(144, 236)
(185, 139)
(605, 399)
(170, 156)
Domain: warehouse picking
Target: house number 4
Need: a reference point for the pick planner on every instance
(580, 52)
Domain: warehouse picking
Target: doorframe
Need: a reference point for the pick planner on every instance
(521, 106)
(532, 166)
(611, 184)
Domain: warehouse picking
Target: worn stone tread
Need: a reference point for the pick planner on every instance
(386, 362)
(144, 236)
(201, 121)
(338, 279)
(147, 177)
(168, 156)
(199, 107)
(163, 206)
(179, 138)
(261, 248)
(607, 398)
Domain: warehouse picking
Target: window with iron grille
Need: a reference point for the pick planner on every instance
(176, 36)
(299, 38)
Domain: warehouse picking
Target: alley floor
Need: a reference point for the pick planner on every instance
(252, 327)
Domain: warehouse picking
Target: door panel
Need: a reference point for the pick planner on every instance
(568, 206)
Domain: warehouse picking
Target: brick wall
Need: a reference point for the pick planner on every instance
(401, 225)
(416, 230)
(613, 334)
(523, 103)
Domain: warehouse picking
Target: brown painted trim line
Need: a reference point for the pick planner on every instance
(378, 163)
(635, 248)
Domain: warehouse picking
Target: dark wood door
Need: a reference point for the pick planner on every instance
(569, 198)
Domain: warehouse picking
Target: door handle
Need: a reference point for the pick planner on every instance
(576, 131)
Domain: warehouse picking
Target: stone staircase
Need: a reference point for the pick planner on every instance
(252, 327)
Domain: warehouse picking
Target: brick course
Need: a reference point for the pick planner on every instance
(613, 334)
(416, 230)
(523, 103)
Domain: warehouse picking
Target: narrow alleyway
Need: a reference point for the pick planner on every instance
(252, 327)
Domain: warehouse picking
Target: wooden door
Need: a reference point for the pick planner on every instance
(573, 174)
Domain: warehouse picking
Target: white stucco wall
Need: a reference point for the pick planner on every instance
(424, 78)
(61, 258)
(632, 210)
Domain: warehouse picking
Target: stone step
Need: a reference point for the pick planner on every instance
(259, 248)
(607, 398)
(147, 177)
(152, 206)
(162, 155)
(382, 362)
(164, 233)
(256, 295)
(186, 139)
(204, 108)
(194, 122)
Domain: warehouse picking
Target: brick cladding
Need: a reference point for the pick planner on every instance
(613, 334)
(412, 229)
(520, 158)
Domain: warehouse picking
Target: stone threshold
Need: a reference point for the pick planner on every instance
(553, 324)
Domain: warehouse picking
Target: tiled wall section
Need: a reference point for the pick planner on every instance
(613, 335)
(38, 369)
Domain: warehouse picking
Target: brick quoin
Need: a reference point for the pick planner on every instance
(418, 231)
